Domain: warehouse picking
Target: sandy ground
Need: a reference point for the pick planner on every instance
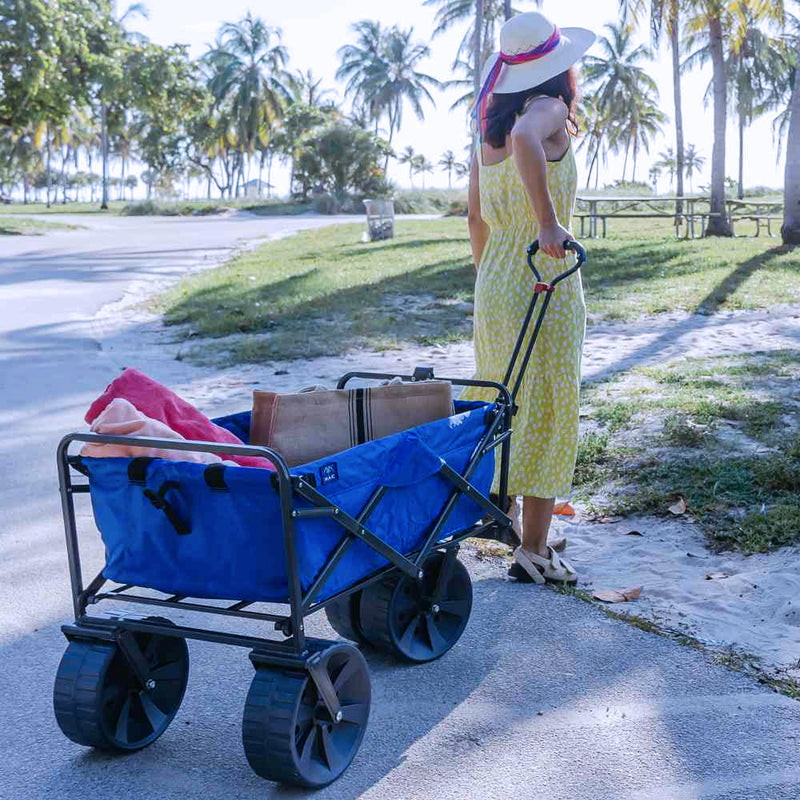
(751, 603)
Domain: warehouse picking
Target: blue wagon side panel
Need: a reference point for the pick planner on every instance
(235, 547)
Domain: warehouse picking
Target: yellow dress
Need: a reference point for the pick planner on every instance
(545, 440)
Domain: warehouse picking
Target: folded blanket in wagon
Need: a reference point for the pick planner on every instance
(223, 537)
(160, 403)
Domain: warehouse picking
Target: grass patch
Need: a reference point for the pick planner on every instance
(23, 226)
(322, 293)
(721, 433)
(631, 274)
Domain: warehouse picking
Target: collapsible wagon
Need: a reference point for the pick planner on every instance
(370, 535)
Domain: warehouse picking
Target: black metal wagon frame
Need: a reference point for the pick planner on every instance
(136, 639)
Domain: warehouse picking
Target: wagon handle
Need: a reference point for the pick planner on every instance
(547, 290)
(569, 244)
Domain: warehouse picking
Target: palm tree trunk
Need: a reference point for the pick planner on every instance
(104, 135)
(625, 164)
(450, 178)
(718, 225)
(676, 90)
(635, 157)
(790, 231)
(594, 163)
(507, 9)
(49, 175)
(269, 176)
(477, 52)
(740, 192)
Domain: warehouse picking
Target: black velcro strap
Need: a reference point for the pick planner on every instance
(160, 501)
(137, 469)
(361, 413)
(214, 476)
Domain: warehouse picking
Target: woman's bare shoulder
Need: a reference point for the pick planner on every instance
(542, 115)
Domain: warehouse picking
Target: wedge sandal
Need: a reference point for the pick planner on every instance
(532, 568)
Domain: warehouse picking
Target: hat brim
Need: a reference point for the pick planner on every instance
(519, 77)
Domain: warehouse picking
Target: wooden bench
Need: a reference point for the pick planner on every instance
(759, 220)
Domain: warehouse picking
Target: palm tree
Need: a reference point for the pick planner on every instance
(669, 163)
(640, 125)
(602, 133)
(448, 163)
(462, 169)
(247, 77)
(790, 231)
(382, 72)
(654, 174)
(620, 81)
(400, 81)
(756, 63)
(408, 156)
(665, 14)
(423, 167)
(693, 162)
(485, 16)
(305, 88)
(359, 64)
(717, 22)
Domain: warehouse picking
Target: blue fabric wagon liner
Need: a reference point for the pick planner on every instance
(234, 548)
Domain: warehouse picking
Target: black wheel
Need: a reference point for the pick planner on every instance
(343, 615)
(287, 732)
(99, 701)
(419, 621)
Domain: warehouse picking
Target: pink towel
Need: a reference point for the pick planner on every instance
(161, 404)
(120, 418)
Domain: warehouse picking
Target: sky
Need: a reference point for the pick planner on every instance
(313, 31)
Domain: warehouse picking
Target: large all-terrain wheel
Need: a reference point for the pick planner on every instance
(343, 616)
(419, 621)
(287, 732)
(100, 702)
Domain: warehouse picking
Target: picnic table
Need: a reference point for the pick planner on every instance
(762, 212)
(594, 213)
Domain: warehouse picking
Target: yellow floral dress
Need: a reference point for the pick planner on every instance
(545, 439)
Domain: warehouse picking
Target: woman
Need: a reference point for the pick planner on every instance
(522, 187)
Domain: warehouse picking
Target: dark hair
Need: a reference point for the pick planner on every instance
(504, 109)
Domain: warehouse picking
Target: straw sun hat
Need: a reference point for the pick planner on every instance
(533, 50)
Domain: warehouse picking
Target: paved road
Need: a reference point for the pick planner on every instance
(544, 696)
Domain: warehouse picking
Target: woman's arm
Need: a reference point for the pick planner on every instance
(478, 229)
(527, 138)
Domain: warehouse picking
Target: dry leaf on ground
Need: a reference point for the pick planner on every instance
(716, 576)
(618, 595)
(678, 507)
(563, 510)
(634, 533)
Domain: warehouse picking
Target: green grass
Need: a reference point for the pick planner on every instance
(630, 274)
(22, 226)
(322, 292)
(297, 291)
(724, 434)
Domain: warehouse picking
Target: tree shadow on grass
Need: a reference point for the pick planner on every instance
(344, 317)
(368, 250)
(710, 304)
(720, 294)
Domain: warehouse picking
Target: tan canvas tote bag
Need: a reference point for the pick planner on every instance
(310, 425)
